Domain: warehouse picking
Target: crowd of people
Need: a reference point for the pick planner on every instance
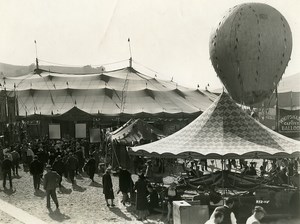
(68, 158)
(58, 158)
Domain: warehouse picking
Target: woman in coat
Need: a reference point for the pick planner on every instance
(141, 197)
(125, 184)
(108, 187)
(90, 167)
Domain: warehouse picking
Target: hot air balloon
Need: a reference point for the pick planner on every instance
(249, 50)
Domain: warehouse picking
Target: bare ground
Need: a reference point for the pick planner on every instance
(83, 203)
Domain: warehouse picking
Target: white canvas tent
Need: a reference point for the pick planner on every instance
(123, 91)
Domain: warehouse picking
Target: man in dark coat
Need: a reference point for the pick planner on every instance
(80, 158)
(125, 183)
(36, 168)
(42, 156)
(6, 171)
(59, 167)
(72, 164)
(52, 157)
(141, 197)
(108, 187)
(90, 167)
(15, 161)
(51, 179)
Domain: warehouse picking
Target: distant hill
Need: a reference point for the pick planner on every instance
(9, 70)
(286, 84)
(290, 83)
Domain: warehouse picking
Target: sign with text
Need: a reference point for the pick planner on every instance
(80, 130)
(54, 131)
(95, 135)
(289, 121)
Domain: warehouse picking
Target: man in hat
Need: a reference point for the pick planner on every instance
(15, 161)
(59, 167)
(6, 170)
(90, 167)
(141, 197)
(258, 214)
(108, 187)
(72, 164)
(36, 169)
(51, 180)
(125, 184)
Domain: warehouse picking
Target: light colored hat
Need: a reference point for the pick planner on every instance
(259, 209)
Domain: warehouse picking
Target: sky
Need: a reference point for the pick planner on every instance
(169, 36)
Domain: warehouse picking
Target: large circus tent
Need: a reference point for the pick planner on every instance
(110, 93)
(103, 96)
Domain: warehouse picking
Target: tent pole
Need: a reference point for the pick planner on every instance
(222, 162)
(277, 112)
(114, 154)
(106, 151)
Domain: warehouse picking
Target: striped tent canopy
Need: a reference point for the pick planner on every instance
(110, 93)
(135, 131)
(224, 130)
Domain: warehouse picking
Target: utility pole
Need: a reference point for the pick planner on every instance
(36, 56)
(130, 59)
(37, 69)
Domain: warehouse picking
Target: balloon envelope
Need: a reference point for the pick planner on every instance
(250, 49)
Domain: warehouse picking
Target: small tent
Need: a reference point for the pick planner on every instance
(224, 130)
(135, 131)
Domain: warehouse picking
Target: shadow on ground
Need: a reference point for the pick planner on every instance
(40, 193)
(63, 190)
(78, 188)
(95, 184)
(119, 213)
(58, 216)
(8, 191)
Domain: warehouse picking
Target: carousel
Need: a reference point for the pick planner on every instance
(201, 159)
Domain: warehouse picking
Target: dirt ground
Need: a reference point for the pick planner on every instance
(81, 204)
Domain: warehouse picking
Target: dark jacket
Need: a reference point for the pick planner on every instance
(15, 156)
(72, 163)
(52, 158)
(80, 157)
(6, 165)
(36, 167)
(42, 155)
(51, 179)
(58, 166)
(90, 166)
(141, 194)
(125, 181)
(107, 183)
